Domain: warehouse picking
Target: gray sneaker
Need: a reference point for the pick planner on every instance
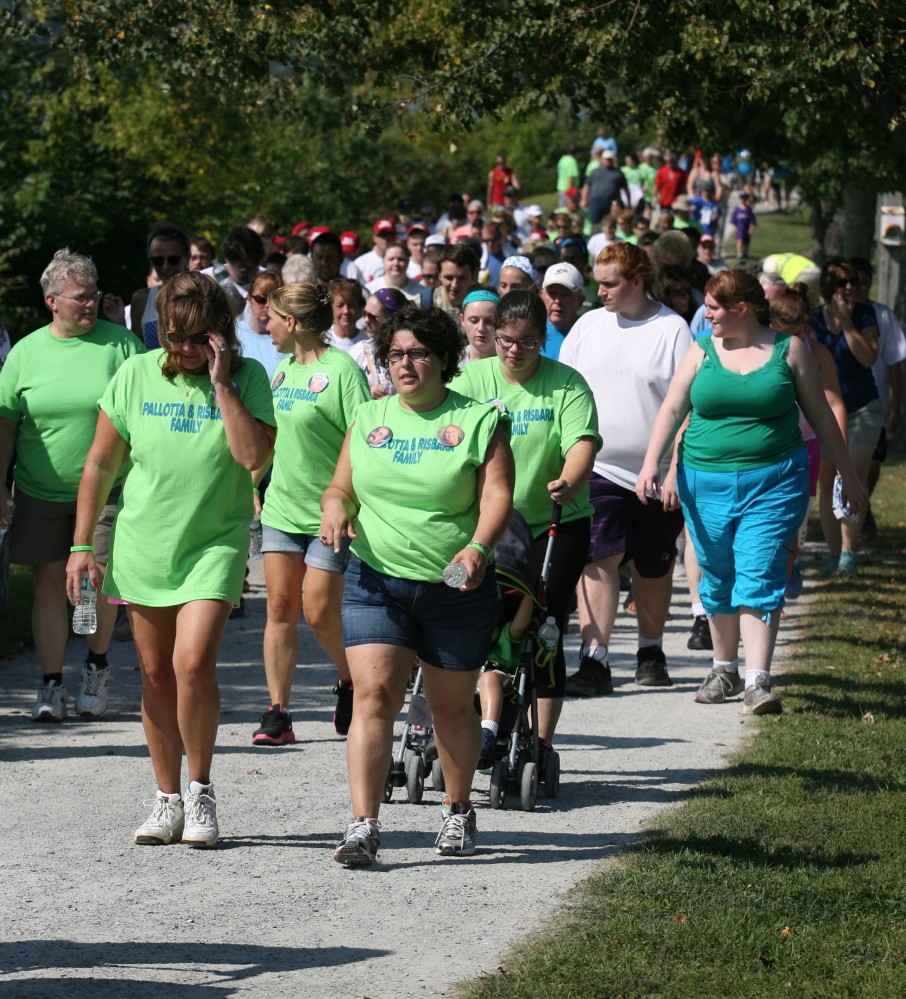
(719, 684)
(759, 700)
(51, 703)
(458, 831)
(360, 845)
(92, 698)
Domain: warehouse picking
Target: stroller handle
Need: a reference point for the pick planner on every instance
(556, 514)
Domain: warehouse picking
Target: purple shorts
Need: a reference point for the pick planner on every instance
(623, 525)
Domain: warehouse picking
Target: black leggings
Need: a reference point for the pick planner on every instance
(567, 562)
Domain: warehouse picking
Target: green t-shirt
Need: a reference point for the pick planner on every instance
(50, 388)
(550, 412)
(418, 496)
(567, 172)
(681, 224)
(182, 529)
(314, 405)
(633, 175)
(648, 174)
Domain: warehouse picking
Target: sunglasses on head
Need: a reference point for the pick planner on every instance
(198, 338)
(173, 259)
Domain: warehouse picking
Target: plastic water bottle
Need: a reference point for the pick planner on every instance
(85, 615)
(549, 635)
(10, 504)
(255, 535)
(455, 575)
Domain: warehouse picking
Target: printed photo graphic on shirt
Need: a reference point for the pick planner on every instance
(278, 380)
(498, 405)
(450, 435)
(318, 382)
(379, 437)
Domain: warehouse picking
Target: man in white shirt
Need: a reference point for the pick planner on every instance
(242, 253)
(416, 235)
(627, 351)
(371, 264)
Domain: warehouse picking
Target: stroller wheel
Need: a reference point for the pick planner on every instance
(528, 787)
(552, 775)
(437, 776)
(499, 776)
(388, 790)
(415, 779)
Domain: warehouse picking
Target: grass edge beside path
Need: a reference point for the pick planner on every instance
(784, 874)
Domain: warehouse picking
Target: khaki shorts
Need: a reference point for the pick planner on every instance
(42, 531)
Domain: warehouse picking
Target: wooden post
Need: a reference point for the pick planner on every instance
(891, 270)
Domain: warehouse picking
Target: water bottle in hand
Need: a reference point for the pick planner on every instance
(85, 615)
(455, 575)
(255, 536)
(3, 530)
(549, 635)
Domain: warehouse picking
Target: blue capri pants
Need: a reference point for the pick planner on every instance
(742, 525)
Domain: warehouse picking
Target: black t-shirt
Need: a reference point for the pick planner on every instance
(604, 184)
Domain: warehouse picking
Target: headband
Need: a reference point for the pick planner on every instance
(523, 264)
(481, 295)
(386, 299)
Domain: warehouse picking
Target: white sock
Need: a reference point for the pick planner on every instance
(196, 787)
(645, 643)
(698, 610)
(171, 797)
(754, 674)
(598, 652)
(491, 726)
(728, 665)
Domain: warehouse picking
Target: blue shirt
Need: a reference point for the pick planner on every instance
(554, 342)
(857, 383)
(494, 265)
(699, 325)
(258, 345)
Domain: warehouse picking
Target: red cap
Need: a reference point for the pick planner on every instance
(384, 225)
(572, 192)
(301, 227)
(707, 238)
(349, 240)
(317, 231)
(279, 240)
(417, 227)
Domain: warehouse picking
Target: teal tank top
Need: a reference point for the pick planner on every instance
(741, 422)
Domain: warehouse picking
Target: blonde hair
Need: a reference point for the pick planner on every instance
(307, 303)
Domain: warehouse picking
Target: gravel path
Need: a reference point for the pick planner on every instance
(269, 913)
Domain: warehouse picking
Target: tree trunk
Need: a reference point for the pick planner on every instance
(827, 230)
(891, 270)
(859, 207)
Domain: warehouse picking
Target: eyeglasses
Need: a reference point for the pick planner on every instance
(260, 299)
(526, 343)
(173, 259)
(682, 291)
(843, 282)
(95, 296)
(197, 338)
(418, 354)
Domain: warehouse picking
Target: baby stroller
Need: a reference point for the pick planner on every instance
(516, 764)
(417, 754)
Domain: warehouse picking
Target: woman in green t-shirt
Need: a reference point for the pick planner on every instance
(555, 439)
(425, 478)
(742, 475)
(316, 392)
(195, 419)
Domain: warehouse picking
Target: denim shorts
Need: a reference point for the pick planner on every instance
(447, 628)
(742, 525)
(316, 555)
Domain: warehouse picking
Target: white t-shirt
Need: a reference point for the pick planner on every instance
(414, 270)
(628, 364)
(370, 265)
(597, 243)
(343, 342)
(891, 349)
(349, 270)
(411, 289)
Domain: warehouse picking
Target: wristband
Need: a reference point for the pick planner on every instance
(255, 491)
(482, 548)
(82, 548)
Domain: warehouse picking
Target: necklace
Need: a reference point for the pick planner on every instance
(294, 371)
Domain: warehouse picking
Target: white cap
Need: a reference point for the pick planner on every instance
(564, 274)
(535, 210)
(438, 239)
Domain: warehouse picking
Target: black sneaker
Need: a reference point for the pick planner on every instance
(591, 678)
(276, 728)
(700, 639)
(652, 667)
(342, 716)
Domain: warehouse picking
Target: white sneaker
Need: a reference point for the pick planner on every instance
(164, 824)
(51, 703)
(201, 815)
(92, 699)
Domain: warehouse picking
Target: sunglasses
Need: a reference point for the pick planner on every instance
(843, 282)
(260, 299)
(173, 259)
(197, 338)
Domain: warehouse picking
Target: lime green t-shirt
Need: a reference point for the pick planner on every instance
(567, 172)
(314, 405)
(550, 413)
(182, 528)
(648, 174)
(50, 388)
(417, 493)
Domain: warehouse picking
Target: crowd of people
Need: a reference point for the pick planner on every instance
(383, 414)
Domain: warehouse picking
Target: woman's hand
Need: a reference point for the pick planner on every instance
(648, 483)
(114, 309)
(335, 524)
(256, 500)
(475, 563)
(669, 495)
(840, 307)
(219, 356)
(79, 563)
(562, 491)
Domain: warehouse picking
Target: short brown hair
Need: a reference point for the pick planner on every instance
(789, 307)
(831, 272)
(731, 288)
(631, 261)
(348, 291)
(265, 282)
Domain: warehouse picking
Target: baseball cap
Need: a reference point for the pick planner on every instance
(417, 227)
(301, 227)
(384, 225)
(707, 239)
(608, 154)
(563, 274)
(572, 192)
(438, 239)
(318, 230)
(534, 211)
(349, 240)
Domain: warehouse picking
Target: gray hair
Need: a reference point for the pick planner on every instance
(767, 278)
(299, 268)
(67, 266)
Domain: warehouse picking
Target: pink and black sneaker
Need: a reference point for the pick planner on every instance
(276, 728)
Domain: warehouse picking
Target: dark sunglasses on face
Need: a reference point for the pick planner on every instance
(197, 338)
(173, 259)
(843, 282)
(260, 299)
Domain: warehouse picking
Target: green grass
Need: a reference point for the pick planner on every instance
(784, 876)
(15, 627)
(786, 232)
